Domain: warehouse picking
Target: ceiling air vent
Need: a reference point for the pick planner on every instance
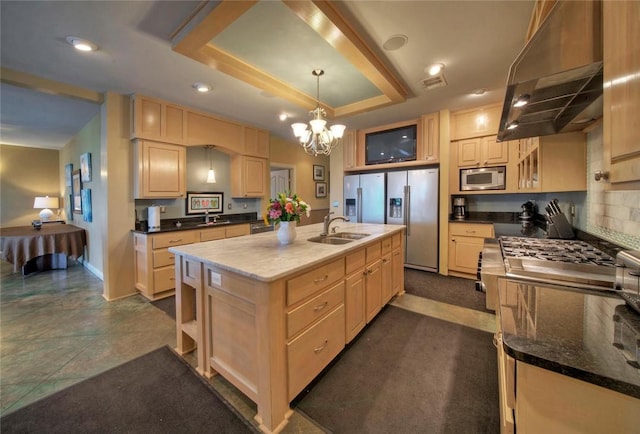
(433, 82)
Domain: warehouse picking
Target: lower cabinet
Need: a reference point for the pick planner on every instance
(465, 244)
(154, 265)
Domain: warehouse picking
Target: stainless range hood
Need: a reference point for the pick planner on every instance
(559, 73)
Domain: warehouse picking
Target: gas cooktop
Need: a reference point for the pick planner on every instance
(562, 262)
(572, 251)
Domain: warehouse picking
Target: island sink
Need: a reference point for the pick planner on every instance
(329, 240)
(349, 235)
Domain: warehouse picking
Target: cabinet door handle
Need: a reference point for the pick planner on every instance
(384, 261)
(172, 278)
(321, 347)
(320, 306)
(322, 279)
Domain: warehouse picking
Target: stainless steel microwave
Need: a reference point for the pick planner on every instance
(483, 178)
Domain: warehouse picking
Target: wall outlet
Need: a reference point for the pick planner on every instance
(228, 206)
(163, 209)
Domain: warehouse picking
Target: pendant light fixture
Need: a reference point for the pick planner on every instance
(211, 175)
(318, 140)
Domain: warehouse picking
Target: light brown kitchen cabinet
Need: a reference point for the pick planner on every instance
(256, 142)
(477, 122)
(154, 265)
(373, 280)
(349, 150)
(466, 241)
(482, 152)
(552, 163)
(158, 120)
(159, 170)
(356, 316)
(204, 129)
(429, 152)
(397, 260)
(248, 176)
(621, 92)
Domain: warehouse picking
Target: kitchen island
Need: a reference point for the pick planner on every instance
(270, 317)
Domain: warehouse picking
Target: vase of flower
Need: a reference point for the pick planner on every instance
(286, 232)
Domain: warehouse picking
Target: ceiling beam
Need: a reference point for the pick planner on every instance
(29, 81)
(194, 38)
(326, 20)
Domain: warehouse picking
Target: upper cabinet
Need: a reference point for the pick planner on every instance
(256, 142)
(248, 176)
(552, 163)
(482, 151)
(429, 152)
(153, 119)
(159, 170)
(621, 93)
(349, 149)
(477, 122)
(204, 129)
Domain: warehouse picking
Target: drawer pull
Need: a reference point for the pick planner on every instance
(384, 261)
(470, 232)
(175, 241)
(326, 276)
(321, 347)
(172, 278)
(320, 306)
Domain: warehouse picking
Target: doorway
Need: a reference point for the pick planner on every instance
(282, 179)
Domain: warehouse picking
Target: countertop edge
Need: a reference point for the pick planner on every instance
(337, 250)
(579, 374)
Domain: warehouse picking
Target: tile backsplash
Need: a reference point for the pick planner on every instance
(613, 215)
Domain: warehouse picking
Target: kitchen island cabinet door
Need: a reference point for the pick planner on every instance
(160, 170)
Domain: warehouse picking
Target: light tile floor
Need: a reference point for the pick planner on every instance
(56, 330)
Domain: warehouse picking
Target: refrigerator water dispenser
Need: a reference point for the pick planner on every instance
(395, 207)
(350, 207)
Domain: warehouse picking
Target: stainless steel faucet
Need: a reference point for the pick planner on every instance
(327, 222)
(206, 215)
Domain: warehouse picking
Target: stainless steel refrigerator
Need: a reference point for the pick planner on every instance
(412, 200)
(364, 198)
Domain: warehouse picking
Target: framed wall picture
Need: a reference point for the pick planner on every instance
(87, 213)
(318, 173)
(77, 198)
(68, 169)
(85, 167)
(321, 189)
(199, 202)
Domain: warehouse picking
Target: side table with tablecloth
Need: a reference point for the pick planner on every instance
(22, 244)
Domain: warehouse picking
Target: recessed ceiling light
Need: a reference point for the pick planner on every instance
(81, 44)
(283, 116)
(394, 42)
(522, 100)
(201, 87)
(434, 69)
(479, 92)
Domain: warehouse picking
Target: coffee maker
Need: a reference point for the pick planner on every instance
(459, 208)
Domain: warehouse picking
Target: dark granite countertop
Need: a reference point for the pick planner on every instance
(571, 332)
(190, 223)
(507, 224)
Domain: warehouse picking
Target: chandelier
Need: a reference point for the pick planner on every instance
(318, 140)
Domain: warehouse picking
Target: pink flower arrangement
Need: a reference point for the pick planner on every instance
(286, 208)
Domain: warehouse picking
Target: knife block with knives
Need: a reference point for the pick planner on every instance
(557, 224)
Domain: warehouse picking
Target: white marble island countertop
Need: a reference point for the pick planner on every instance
(262, 257)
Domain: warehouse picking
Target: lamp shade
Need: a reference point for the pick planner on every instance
(45, 203)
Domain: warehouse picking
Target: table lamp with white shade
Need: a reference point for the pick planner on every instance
(45, 203)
